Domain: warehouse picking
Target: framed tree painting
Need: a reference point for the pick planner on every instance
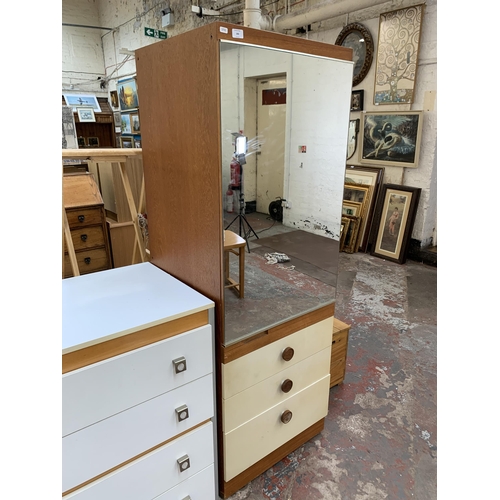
(397, 55)
(394, 219)
(391, 138)
(372, 178)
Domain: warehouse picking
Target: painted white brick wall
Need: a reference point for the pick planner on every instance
(129, 17)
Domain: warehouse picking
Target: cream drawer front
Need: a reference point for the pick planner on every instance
(98, 391)
(111, 442)
(252, 441)
(256, 366)
(154, 473)
(257, 399)
(198, 487)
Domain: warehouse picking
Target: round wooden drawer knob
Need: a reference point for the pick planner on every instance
(286, 416)
(286, 385)
(287, 353)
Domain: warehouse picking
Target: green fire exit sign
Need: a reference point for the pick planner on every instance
(155, 33)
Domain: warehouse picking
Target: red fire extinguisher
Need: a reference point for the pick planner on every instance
(235, 173)
(229, 200)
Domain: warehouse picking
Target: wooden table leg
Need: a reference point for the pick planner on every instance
(226, 266)
(242, 272)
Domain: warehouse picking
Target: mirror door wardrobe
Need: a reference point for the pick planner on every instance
(235, 120)
(290, 109)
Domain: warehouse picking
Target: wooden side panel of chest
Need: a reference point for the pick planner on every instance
(87, 221)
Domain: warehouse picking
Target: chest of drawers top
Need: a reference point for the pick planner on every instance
(109, 304)
(81, 190)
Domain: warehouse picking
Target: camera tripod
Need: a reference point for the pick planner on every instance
(243, 220)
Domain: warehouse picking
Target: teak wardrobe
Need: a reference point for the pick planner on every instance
(273, 382)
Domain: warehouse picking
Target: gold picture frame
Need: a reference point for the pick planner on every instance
(360, 194)
(352, 208)
(373, 178)
(351, 237)
(344, 227)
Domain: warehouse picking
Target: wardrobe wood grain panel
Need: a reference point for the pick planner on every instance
(182, 167)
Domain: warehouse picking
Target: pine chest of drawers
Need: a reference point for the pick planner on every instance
(137, 387)
(87, 221)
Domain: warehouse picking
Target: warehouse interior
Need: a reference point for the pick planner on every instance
(380, 434)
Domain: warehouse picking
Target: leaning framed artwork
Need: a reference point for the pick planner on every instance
(394, 219)
(397, 55)
(351, 238)
(361, 194)
(372, 178)
(128, 97)
(127, 142)
(352, 208)
(392, 139)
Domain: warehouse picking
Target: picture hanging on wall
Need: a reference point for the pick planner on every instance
(126, 124)
(357, 99)
(394, 219)
(397, 55)
(127, 94)
(352, 140)
(135, 124)
(392, 139)
(114, 98)
(76, 100)
(85, 115)
(357, 37)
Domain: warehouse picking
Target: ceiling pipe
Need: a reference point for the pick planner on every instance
(253, 18)
(321, 12)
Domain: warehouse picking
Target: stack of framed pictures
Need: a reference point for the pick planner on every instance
(361, 189)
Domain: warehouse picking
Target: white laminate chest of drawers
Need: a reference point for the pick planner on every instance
(274, 393)
(137, 387)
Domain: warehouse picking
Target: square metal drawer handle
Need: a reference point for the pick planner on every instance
(182, 413)
(180, 364)
(184, 463)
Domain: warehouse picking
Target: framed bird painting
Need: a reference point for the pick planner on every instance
(391, 138)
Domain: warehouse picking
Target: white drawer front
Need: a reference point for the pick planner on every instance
(98, 391)
(154, 473)
(252, 441)
(256, 366)
(260, 397)
(111, 442)
(198, 487)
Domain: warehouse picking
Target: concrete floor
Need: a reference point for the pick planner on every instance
(379, 441)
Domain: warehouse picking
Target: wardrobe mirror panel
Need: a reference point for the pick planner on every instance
(284, 137)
